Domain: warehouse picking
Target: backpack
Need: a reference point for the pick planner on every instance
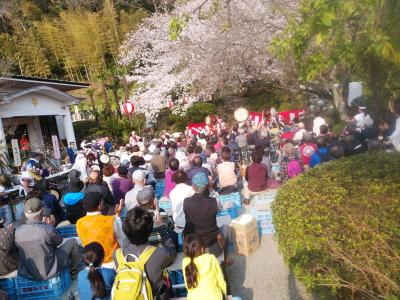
(294, 168)
(131, 282)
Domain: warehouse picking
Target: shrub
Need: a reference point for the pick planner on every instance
(199, 111)
(338, 226)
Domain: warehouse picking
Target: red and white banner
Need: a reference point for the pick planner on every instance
(196, 128)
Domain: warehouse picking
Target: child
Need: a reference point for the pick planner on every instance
(95, 282)
(202, 272)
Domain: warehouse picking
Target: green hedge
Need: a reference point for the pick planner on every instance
(338, 227)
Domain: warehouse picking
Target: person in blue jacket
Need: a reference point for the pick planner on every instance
(95, 282)
(321, 155)
(73, 201)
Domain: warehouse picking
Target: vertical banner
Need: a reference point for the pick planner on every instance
(16, 154)
(56, 147)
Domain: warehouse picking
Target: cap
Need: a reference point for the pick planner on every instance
(74, 174)
(146, 195)
(92, 201)
(34, 205)
(139, 175)
(75, 186)
(200, 180)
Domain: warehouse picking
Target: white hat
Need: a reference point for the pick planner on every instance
(139, 175)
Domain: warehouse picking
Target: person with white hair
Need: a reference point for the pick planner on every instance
(298, 136)
(42, 251)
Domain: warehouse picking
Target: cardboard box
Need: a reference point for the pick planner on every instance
(246, 232)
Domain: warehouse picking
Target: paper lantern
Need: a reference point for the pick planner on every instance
(128, 108)
(170, 104)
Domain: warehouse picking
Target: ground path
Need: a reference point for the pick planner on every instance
(264, 275)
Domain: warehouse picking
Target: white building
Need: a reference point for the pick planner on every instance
(37, 107)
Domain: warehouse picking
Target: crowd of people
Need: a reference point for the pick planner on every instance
(113, 198)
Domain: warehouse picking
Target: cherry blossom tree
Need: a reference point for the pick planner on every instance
(202, 48)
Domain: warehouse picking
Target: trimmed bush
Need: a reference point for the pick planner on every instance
(338, 227)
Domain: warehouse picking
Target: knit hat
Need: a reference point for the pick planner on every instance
(200, 180)
(74, 174)
(146, 195)
(92, 201)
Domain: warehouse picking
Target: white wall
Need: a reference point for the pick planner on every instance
(24, 106)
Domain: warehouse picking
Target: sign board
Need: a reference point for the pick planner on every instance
(56, 147)
(16, 154)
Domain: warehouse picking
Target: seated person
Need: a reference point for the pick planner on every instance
(177, 196)
(97, 185)
(202, 272)
(169, 183)
(121, 184)
(226, 173)
(256, 177)
(73, 201)
(197, 167)
(291, 165)
(137, 227)
(320, 155)
(42, 253)
(161, 226)
(95, 227)
(139, 179)
(8, 249)
(95, 282)
(201, 218)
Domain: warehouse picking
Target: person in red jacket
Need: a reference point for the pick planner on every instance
(256, 177)
(307, 149)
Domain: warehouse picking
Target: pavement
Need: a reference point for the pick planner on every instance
(264, 275)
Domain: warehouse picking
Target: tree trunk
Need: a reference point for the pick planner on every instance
(96, 115)
(116, 100)
(340, 101)
(107, 109)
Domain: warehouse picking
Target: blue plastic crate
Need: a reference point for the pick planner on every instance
(67, 231)
(48, 289)
(160, 188)
(234, 197)
(233, 212)
(178, 283)
(264, 221)
(8, 285)
(165, 203)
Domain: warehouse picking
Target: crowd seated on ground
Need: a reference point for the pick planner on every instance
(189, 171)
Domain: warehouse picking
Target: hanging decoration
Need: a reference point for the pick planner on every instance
(170, 104)
(128, 108)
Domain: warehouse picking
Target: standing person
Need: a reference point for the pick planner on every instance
(169, 183)
(137, 227)
(307, 149)
(108, 147)
(362, 118)
(95, 282)
(71, 151)
(121, 184)
(256, 177)
(320, 155)
(201, 271)
(43, 254)
(318, 121)
(133, 139)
